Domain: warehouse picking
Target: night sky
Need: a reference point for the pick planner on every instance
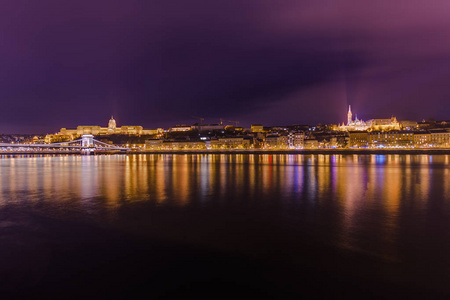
(158, 63)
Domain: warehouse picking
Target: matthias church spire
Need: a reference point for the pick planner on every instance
(349, 115)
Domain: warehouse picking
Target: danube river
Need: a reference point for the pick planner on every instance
(225, 226)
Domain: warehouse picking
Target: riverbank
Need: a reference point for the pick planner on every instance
(256, 152)
(304, 151)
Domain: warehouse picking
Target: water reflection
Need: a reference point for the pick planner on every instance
(341, 197)
(184, 179)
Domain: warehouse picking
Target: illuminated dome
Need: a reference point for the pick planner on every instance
(112, 124)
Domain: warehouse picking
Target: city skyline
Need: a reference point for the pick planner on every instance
(157, 63)
(377, 133)
(194, 123)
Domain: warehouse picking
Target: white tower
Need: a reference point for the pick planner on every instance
(349, 115)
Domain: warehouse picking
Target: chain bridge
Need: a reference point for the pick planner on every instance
(85, 145)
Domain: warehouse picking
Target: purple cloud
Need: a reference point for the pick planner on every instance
(156, 63)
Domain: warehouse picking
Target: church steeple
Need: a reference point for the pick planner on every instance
(349, 115)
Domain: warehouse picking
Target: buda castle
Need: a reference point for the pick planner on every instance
(73, 133)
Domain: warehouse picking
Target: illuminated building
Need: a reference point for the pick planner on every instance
(352, 125)
(391, 138)
(230, 143)
(408, 125)
(207, 127)
(73, 133)
(358, 139)
(276, 142)
(439, 138)
(257, 128)
(234, 128)
(183, 145)
(258, 140)
(311, 144)
(331, 142)
(95, 130)
(296, 140)
(384, 124)
(158, 131)
(422, 138)
(371, 125)
(55, 138)
(130, 130)
(153, 144)
(180, 128)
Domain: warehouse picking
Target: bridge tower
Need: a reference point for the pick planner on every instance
(87, 144)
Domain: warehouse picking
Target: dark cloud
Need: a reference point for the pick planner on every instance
(157, 63)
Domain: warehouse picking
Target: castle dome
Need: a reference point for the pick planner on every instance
(112, 123)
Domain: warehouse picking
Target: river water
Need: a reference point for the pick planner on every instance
(221, 226)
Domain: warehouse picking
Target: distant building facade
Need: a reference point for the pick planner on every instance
(311, 144)
(230, 143)
(439, 138)
(180, 128)
(73, 133)
(276, 142)
(207, 127)
(391, 138)
(422, 138)
(358, 139)
(183, 145)
(257, 128)
(296, 140)
(383, 124)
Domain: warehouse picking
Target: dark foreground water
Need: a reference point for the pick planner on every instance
(225, 226)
